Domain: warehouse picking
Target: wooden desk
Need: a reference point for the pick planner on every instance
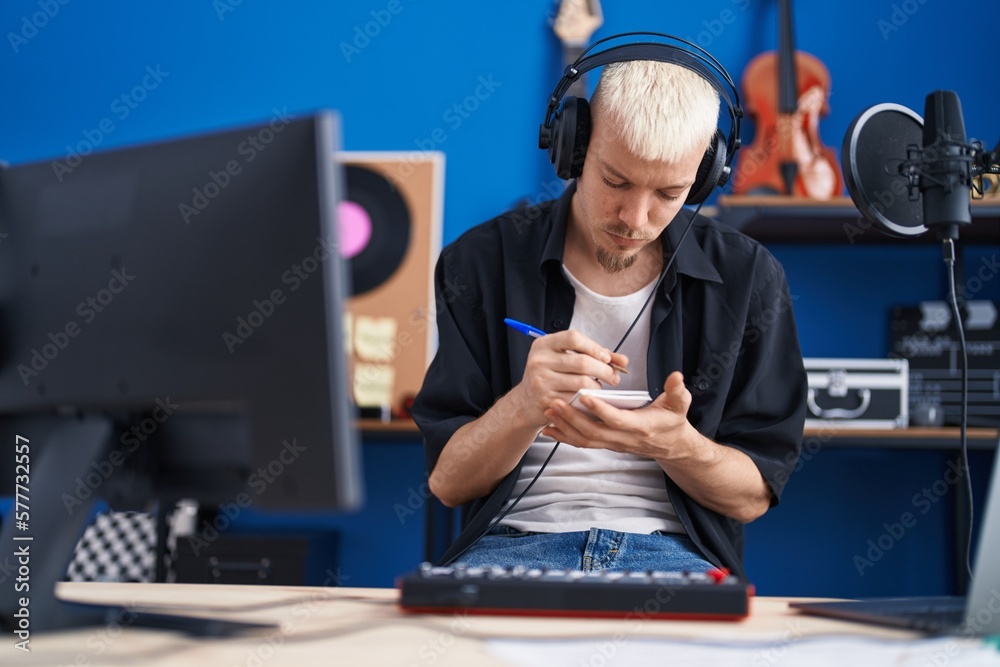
(326, 626)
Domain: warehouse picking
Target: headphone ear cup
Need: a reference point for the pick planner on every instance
(712, 172)
(571, 134)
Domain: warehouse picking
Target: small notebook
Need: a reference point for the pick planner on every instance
(625, 399)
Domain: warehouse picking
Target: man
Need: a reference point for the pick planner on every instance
(668, 486)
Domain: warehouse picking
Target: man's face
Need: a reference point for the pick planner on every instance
(622, 203)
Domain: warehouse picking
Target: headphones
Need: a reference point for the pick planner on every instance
(566, 130)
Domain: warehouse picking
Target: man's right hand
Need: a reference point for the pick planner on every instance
(483, 451)
(559, 365)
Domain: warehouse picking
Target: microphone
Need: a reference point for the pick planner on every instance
(907, 176)
(945, 165)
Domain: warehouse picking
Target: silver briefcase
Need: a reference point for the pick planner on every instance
(858, 393)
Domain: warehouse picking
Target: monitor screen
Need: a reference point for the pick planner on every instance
(181, 302)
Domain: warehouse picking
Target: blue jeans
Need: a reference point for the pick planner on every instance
(596, 549)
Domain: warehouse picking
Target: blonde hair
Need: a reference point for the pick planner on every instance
(661, 111)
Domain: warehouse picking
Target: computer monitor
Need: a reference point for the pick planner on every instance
(171, 327)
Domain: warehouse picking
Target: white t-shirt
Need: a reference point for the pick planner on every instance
(582, 488)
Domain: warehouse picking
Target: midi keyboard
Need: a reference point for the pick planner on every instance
(715, 595)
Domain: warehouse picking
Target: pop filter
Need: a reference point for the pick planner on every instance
(875, 144)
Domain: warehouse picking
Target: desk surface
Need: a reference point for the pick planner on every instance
(365, 627)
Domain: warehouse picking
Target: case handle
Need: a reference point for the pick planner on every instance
(839, 413)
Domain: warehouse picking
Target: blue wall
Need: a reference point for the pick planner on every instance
(227, 62)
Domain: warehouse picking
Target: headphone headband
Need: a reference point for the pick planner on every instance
(565, 132)
(697, 60)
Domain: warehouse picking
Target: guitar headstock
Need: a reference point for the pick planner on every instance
(577, 20)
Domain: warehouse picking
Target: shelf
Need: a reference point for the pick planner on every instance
(780, 219)
(904, 438)
(381, 429)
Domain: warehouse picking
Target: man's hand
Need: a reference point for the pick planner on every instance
(719, 477)
(558, 366)
(483, 451)
(656, 431)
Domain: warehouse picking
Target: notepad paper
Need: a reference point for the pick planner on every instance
(625, 399)
(724, 648)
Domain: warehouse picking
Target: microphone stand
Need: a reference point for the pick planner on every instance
(945, 182)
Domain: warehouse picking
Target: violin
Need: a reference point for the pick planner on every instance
(786, 92)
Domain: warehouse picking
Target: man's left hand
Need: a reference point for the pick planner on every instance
(659, 431)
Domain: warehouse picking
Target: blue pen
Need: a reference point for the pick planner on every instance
(529, 330)
(526, 329)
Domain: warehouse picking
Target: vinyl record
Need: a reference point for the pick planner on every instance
(374, 228)
(394, 199)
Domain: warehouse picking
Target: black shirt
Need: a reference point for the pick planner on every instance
(723, 316)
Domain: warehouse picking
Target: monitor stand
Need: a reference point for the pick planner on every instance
(40, 534)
